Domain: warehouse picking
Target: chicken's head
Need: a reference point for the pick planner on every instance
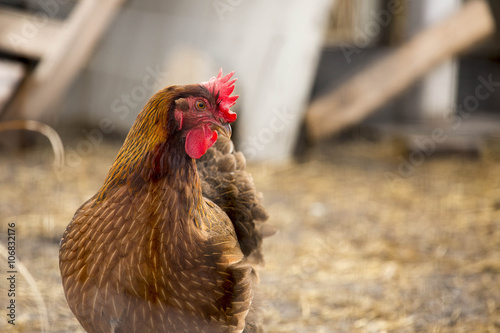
(201, 116)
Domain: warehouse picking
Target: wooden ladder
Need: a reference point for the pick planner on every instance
(60, 49)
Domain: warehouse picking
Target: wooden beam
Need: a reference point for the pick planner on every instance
(64, 59)
(382, 81)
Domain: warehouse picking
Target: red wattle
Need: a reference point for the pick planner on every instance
(198, 140)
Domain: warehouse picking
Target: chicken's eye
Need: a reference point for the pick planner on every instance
(200, 105)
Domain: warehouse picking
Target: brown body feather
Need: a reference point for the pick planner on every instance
(225, 182)
(164, 245)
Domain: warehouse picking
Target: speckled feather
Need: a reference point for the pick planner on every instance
(225, 182)
(154, 250)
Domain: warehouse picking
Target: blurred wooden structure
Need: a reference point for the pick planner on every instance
(273, 46)
(59, 48)
(386, 78)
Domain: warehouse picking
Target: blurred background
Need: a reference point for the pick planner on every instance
(371, 127)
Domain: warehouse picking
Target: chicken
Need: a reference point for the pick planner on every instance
(171, 240)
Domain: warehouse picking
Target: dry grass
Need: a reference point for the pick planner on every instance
(359, 249)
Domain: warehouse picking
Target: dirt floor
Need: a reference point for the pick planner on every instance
(369, 240)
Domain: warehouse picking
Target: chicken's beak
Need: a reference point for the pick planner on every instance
(224, 129)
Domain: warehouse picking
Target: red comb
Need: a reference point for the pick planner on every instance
(222, 87)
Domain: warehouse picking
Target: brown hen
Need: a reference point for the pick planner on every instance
(168, 242)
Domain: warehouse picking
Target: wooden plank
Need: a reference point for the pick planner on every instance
(27, 35)
(370, 89)
(50, 79)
